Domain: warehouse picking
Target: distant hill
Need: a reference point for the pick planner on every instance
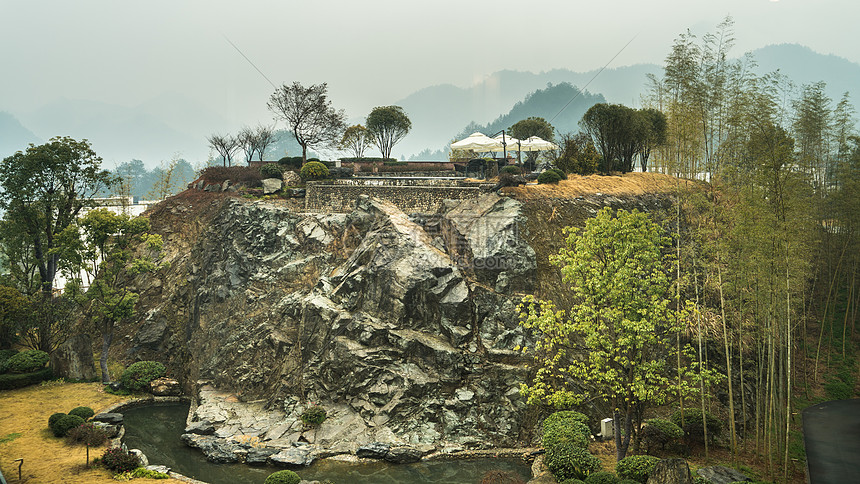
(14, 136)
(439, 112)
(804, 66)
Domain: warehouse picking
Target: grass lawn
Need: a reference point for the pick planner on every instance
(24, 433)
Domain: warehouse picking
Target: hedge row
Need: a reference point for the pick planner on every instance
(20, 380)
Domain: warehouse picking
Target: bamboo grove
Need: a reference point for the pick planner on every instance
(769, 247)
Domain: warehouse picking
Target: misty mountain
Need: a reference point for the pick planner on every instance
(14, 136)
(804, 66)
(439, 112)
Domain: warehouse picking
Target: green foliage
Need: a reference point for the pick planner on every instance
(271, 170)
(532, 126)
(549, 176)
(64, 424)
(565, 427)
(283, 477)
(27, 361)
(138, 375)
(13, 306)
(837, 389)
(561, 174)
(564, 417)
(12, 381)
(4, 359)
(568, 460)
(692, 426)
(636, 467)
(314, 170)
(578, 154)
(141, 472)
(658, 432)
(628, 481)
(10, 437)
(602, 477)
(387, 125)
(83, 412)
(117, 460)
(54, 418)
(700, 480)
(573, 481)
(356, 139)
(511, 169)
(313, 416)
(291, 162)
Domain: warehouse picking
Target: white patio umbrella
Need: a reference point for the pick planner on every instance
(477, 142)
(535, 143)
(510, 143)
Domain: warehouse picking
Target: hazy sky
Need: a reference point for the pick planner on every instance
(371, 52)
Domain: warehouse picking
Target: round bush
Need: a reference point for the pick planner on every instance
(562, 432)
(548, 177)
(636, 467)
(4, 359)
(83, 412)
(27, 361)
(140, 374)
(512, 170)
(560, 173)
(564, 416)
(658, 432)
(53, 419)
(271, 170)
(602, 477)
(693, 424)
(314, 415)
(567, 460)
(65, 423)
(292, 162)
(314, 170)
(117, 460)
(283, 477)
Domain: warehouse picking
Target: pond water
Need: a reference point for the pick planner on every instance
(155, 429)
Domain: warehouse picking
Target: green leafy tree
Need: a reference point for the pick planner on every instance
(532, 126)
(387, 125)
(356, 139)
(110, 248)
(615, 340)
(43, 190)
(578, 154)
(309, 114)
(12, 308)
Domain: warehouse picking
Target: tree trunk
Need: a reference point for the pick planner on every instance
(107, 338)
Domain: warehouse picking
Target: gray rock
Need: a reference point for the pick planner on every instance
(271, 185)
(292, 179)
(293, 457)
(157, 468)
(111, 430)
(296, 192)
(108, 418)
(376, 450)
(150, 335)
(141, 457)
(216, 450)
(214, 187)
(165, 387)
(259, 456)
(671, 471)
(722, 475)
(74, 359)
(403, 455)
(202, 427)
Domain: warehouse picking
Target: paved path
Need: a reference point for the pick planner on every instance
(832, 438)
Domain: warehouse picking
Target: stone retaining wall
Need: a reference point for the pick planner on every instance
(410, 194)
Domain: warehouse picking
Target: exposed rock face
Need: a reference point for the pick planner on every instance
(671, 471)
(403, 331)
(74, 358)
(164, 387)
(722, 475)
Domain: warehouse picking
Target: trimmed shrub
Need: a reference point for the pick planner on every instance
(562, 175)
(292, 162)
(573, 481)
(138, 375)
(502, 477)
(636, 467)
(27, 361)
(13, 381)
(658, 432)
(509, 180)
(283, 477)
(53, 419)
(83, 412)
(314, 416)
(148, 474)
(4, 359)
(64, 424)
(564, 416)
(117, 460)
(314, 170)
(692, 427)
(627, 481)
(548, 177)
(602, 477)
(271, 170)
(512, 170)
(565, 427)
(567, 460)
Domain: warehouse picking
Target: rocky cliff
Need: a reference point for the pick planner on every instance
(402, 327)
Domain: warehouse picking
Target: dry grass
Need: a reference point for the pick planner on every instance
(615, 185)
(48, 459)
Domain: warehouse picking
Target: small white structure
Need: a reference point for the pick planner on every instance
(606, 428)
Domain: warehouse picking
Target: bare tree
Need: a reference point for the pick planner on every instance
(264, 136)
(247, 140)
(225, 145)
(308, 114)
